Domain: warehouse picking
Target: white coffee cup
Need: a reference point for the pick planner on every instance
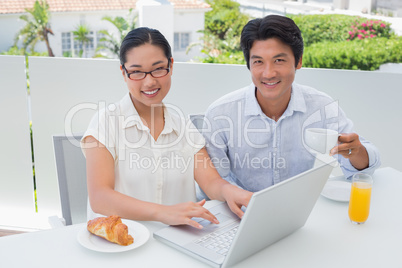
(321, 140)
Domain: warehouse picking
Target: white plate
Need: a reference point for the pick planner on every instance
(337, 190)
(139, 232)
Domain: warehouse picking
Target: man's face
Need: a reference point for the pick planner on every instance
(272, 67)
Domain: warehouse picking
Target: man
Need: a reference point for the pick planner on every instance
(255, 134)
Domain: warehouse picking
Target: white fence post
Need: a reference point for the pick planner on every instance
(17, 203)
(65, 89)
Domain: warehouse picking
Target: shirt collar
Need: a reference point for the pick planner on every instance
(130, 115)
(170, 123)
(252, 107)
(296, 103)
(132, 118)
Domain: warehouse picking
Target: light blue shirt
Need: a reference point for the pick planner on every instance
(253, 151)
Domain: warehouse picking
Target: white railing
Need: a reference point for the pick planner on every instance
(66, 92)
(16, 178)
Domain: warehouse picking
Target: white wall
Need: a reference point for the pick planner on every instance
(371, 100)
(389, 4)
(16, 177)
(9, 27)
(341, 4)
(64, 95)
(196, 85)
(179, 21)
(391, 67)
(158, 15)
(360, 5)
(394, 6)
(191, 22)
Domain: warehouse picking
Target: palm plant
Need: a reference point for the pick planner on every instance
(37, 27)
(81, 34)
(221, 37)
(112, 43)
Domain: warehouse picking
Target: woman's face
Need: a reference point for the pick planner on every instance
(148, 91)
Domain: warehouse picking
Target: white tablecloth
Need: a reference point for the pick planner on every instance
(327, 240)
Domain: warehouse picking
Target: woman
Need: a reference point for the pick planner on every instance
(136, 149)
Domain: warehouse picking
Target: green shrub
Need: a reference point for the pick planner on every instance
(319, 28)
(223, 25)
(224, 17)
(331, 41)
(334, 27)
(366, 54)
(14, 50)
(226, 58)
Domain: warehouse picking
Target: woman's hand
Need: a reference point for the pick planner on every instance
(236, 198)
(183, 212)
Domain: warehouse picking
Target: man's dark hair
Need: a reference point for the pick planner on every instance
(271, 26)
(141, 36)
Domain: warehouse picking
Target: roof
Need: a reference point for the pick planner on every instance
(19, 6)
(189, 4)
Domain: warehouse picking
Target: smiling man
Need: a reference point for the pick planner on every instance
(255, 134)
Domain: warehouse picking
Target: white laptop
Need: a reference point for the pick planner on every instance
(272, 214)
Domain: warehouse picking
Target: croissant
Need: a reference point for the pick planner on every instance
(112, 229)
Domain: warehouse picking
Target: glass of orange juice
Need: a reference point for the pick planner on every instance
(360, 195)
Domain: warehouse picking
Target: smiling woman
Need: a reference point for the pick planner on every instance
(134, 149)
(147, 73)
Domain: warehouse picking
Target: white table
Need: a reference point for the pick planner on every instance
(327, 240)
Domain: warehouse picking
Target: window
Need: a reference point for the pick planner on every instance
(89, 49)
(66, 44)
(71, 47)
(99, 36)
(181, 41)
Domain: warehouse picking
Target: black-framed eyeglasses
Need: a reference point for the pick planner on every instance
(137, 75)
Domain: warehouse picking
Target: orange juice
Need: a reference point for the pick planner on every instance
(359, 204)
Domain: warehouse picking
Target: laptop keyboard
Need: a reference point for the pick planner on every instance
(220, 240)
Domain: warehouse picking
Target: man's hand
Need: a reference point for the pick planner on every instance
(236, 198)
(350, 147)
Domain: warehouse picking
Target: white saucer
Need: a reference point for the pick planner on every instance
(337, 189)
(139, 232)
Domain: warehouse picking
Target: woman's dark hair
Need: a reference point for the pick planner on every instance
(141, 36)
(271, 26)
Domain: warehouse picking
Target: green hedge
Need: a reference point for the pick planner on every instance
(366, 54)
(334, 28)
(332, 41)
(319, 28)
(347, 42)
(235, 57)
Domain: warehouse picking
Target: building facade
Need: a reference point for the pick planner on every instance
(179, 20)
